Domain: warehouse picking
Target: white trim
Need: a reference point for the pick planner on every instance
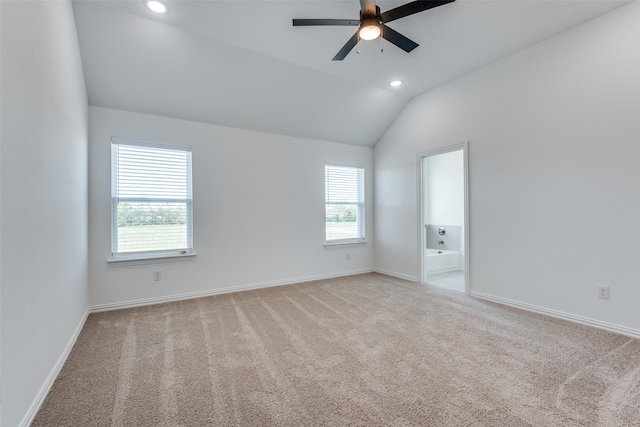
(344, 242)
(630, 332)
(46, 387)
(149, 259)
(140, 143)
(396, 274)
(345, 165)
(198, 294)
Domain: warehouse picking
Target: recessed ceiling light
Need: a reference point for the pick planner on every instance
(395, 83)
(156, 6)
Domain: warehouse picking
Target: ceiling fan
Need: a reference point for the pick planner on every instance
(372, 24)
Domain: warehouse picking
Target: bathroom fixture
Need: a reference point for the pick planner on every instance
(440, 242)
(441, 261)
(442, 231)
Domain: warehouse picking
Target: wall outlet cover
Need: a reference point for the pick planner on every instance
(603, 292)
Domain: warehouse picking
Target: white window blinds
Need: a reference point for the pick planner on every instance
(151, 209)
(344, 204)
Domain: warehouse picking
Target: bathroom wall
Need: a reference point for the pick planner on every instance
(443, 192)
(452, 238)
(445, 188)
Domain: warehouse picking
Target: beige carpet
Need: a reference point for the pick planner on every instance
(367, 350)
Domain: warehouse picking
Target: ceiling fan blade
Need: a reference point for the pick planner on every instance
(368, 7)
(398, 39)
(346, 48)
(306, 22)
(410, 9)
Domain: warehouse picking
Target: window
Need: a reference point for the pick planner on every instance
(344, 204)
(151, 200)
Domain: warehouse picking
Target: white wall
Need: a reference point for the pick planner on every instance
(43, 198)
(444, 179)
(554, 135)
(258, 209)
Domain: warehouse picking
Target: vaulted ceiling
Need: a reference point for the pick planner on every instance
(242, 63)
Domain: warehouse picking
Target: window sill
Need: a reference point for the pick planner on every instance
(148, 259)
(347, 243)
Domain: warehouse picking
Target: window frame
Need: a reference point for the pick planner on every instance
(159, 254)
(360, 204)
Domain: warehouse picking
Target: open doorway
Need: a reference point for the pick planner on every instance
(443, 217)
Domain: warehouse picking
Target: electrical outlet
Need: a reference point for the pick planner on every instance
(157, 276)
(603, 292)
(348, 255)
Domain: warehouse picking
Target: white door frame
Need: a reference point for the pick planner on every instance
(421, 229)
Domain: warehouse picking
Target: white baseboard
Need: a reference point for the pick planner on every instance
(191, 295)
(44, 390)
(630, 332)
(396, 274)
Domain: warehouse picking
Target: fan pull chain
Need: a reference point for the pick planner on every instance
(358, 45)
(381, 37)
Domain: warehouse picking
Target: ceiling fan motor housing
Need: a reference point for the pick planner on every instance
(368, 17)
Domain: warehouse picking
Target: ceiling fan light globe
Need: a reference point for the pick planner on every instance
(370, 32)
